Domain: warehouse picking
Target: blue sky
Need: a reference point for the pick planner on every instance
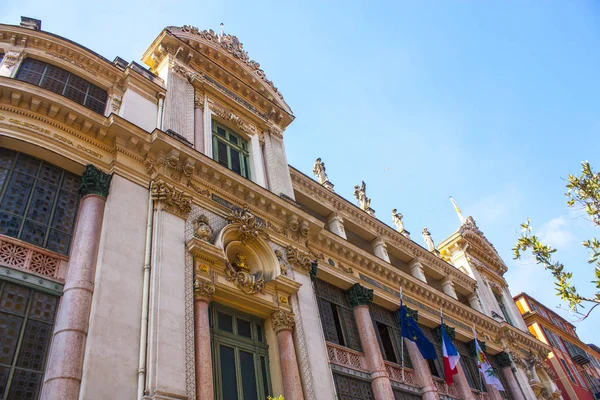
(494, 103)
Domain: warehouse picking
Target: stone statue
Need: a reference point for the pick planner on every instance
(397, 220)
(202, 230)
(360, 192)
(428, 240)
(319, 170)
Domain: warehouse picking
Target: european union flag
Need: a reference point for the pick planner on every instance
(410, 330)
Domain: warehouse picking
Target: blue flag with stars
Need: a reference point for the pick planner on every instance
(410, 330)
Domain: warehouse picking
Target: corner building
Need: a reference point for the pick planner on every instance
(572, 364)
(154, 244)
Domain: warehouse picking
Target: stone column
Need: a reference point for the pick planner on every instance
(203, 293)
(416, 270)
(505, 364)
(448, 288)
(380, 250)
(65, 362)
(474, 301)
(359, 298)
(336, 225)
(199, 122)
(462, 385)
(421, 371)
(283, 323)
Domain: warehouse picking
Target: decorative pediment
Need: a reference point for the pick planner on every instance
(471, 232)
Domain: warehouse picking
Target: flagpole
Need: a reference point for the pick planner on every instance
(477, 359)
(401, 337)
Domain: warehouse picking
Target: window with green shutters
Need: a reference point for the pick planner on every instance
(240, 355)
(230, 150)
(26, 321)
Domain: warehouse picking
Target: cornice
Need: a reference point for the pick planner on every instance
(349, 212)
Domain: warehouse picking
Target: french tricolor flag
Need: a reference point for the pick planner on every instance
(451, 356)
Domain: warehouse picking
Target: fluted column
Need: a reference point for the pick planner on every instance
(416, 269)
(203, 292)
(421, 370)
(359, 298)
(65, 363)
(283, 323)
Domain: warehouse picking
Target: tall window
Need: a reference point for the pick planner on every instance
(469, 365)
(503, 308)
(240, 357)
(38, 201)
(337, 318)
(505, 394)
(435, 366)
(64, 83)
(230, 150)
(26, 319)
(387, 329)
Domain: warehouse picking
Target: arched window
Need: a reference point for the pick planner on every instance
(64, 83)
(38, 201)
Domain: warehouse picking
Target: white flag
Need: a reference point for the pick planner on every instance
(486, 368)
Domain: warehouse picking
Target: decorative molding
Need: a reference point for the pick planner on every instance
(450, 331)
(203, 290)
(248, 225)
(17, 254)
(358, 295)
(282, 320)
(11, 58)
(173, 200)
(94, 181)
(307, 262)
(229, 116)
(202, 229)
(282, 264)
(242, 278)
(170, 165)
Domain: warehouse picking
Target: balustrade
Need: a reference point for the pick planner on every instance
(15, 253)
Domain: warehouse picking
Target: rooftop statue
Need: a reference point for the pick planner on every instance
(321, 175)
(360, 192)
(429, 240)
(397, 221)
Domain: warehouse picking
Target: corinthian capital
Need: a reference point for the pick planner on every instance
(203, 290)
(282, 320)
(94, 181)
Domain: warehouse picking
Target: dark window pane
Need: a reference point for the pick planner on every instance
(248, 376)
(42, 200)
(53, 85)
(228, 375)
(74, 94)
(50, 173)
(14, 299)
(95, 105)
(6, 158)
(71, 182)
(259, 332)
(4, 371)
(244, 328)
(235, 162)
(31, 71)
(9, 224)
(66, 211)
(43, 307)
(17, 193)
(220, 131)
(225, 322)
(33, 233)
(33, 348)
(263, 368)
(25, 385)
(98, 94)
(222, 152)
(10, 328)
(233, 139)
(58, 242)
(3, 176)
(386, 343)
(27, 165)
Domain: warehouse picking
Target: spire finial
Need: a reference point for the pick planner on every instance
(458, 212)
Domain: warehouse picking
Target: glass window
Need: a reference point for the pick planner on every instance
(230, 150)
(64, 83)
(435, 366)
(567, 369)
(349, 388)
(38, 201)
(337, 318)
(469, 364)
(387, 329)
(26, 320)
(241, 361)
(503, 308)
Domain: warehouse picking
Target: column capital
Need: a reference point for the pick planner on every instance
(203, 290)
(503, 359)
(282, 320)
(94, 181)
(359, 295)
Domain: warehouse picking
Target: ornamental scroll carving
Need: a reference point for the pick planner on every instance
(282, 320)
(234, 119)
(171, 166)
(238, 272)
(202, 229)
(174, 200)
(232, 45)
(301, 259)
(249, 227)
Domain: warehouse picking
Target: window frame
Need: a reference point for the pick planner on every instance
(45, 76)
(243, 148)
(258, 348)
(36, 180)
(390, 320)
